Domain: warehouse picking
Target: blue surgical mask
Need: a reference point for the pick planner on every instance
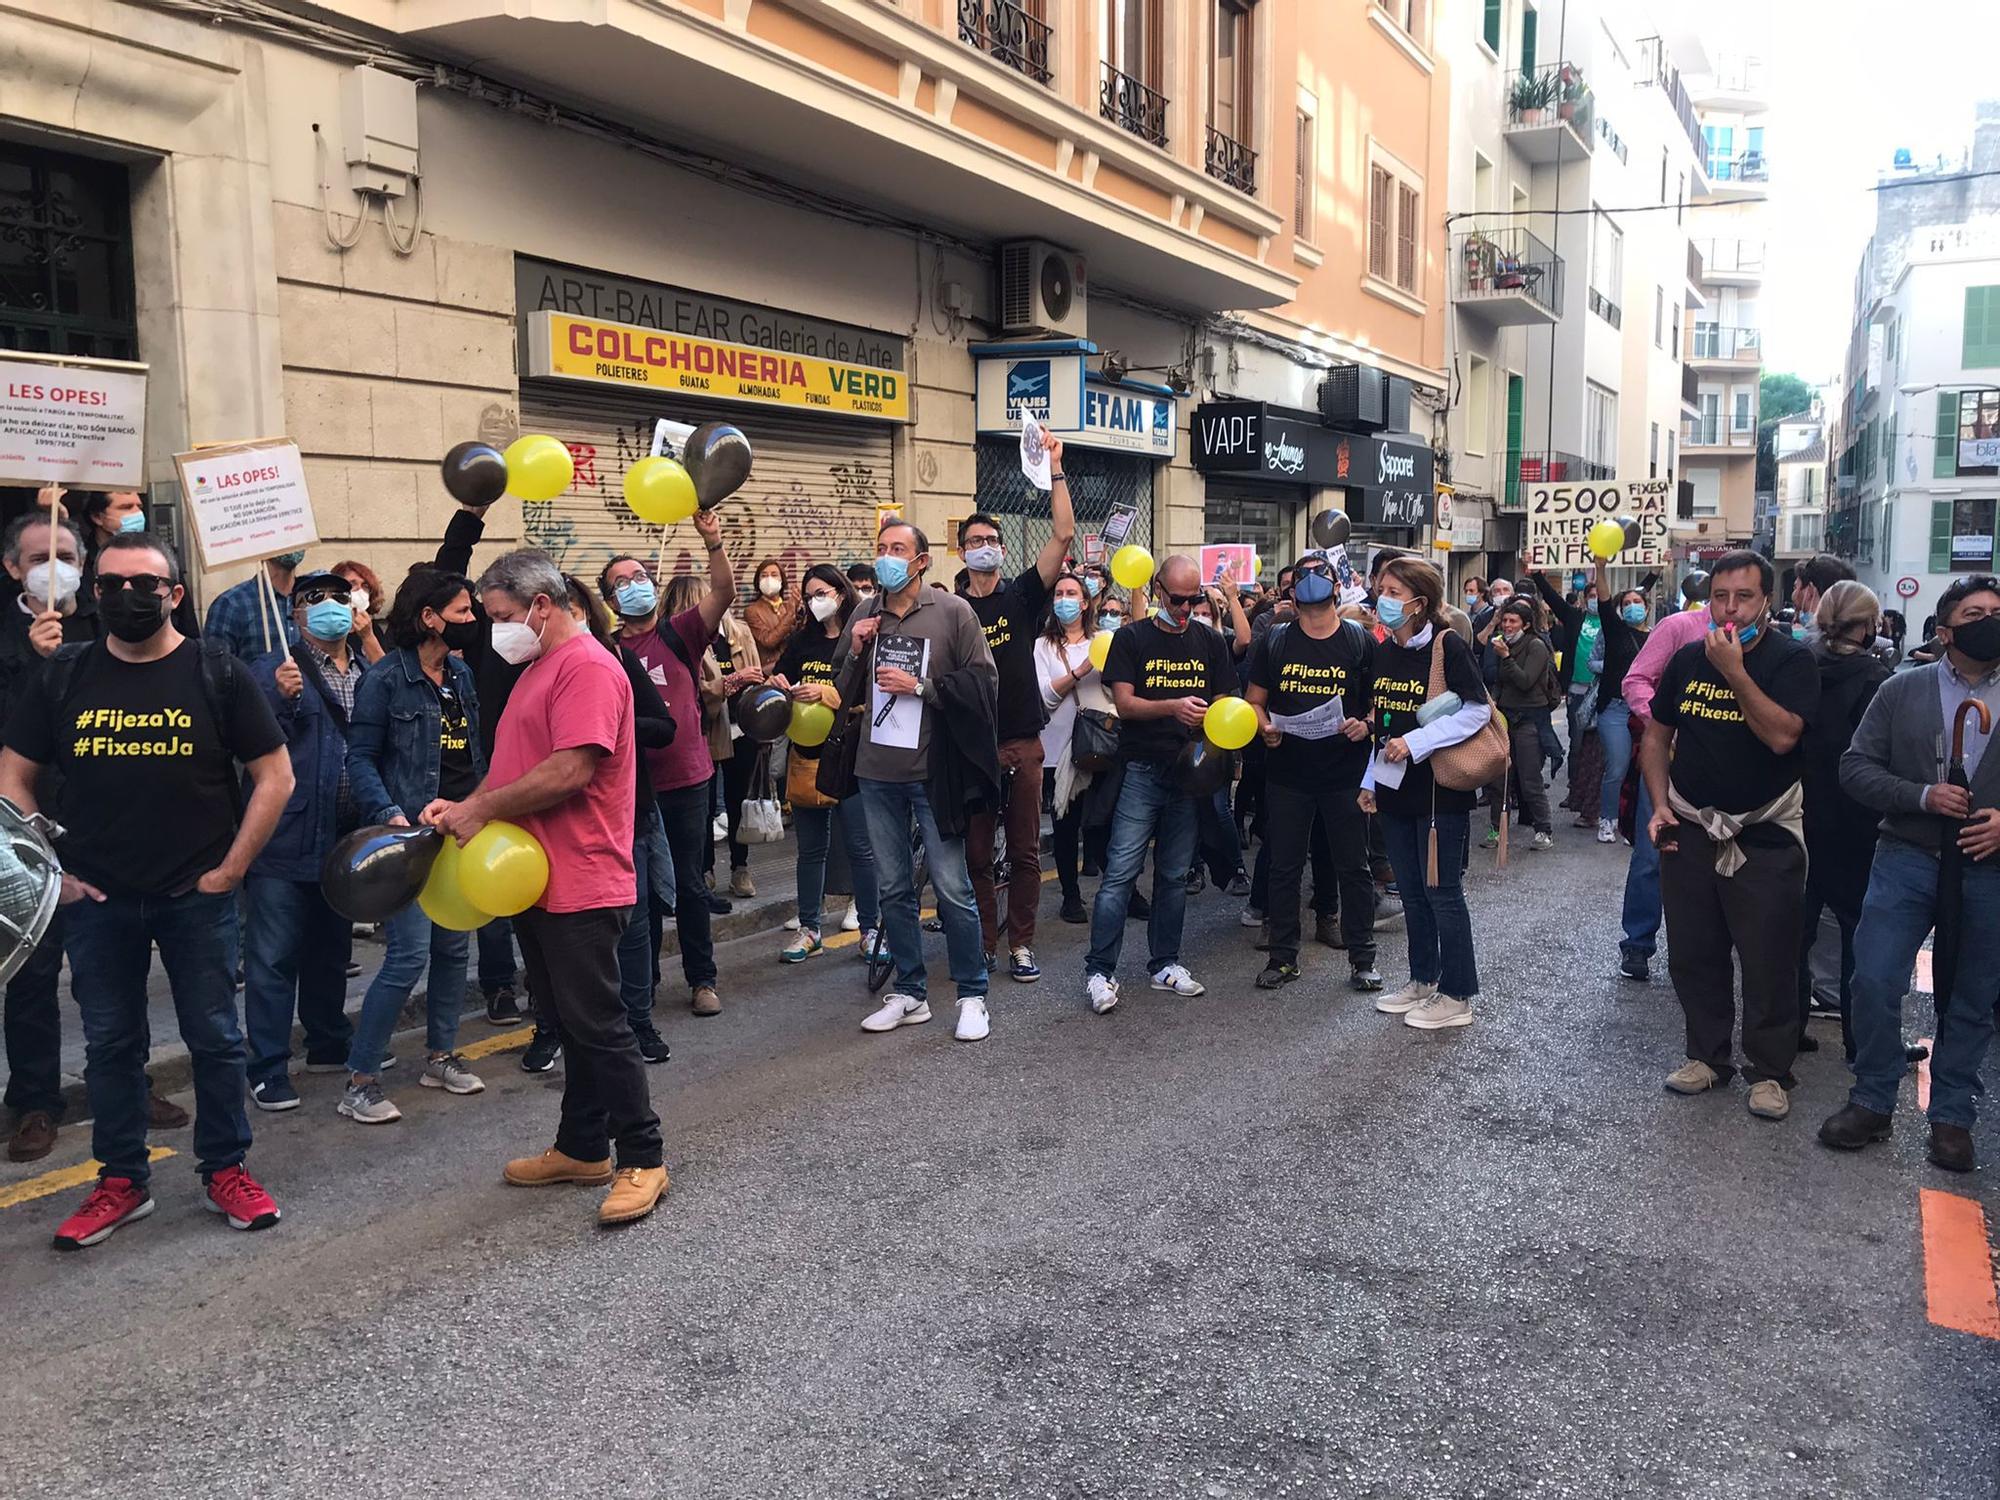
(1091, 585)
(132, 524)
(1632, 614)
(1590, 608)
(1312, 587)
(1389, 611)
(892, 572)
(329, 620)
(637, 597)
(1110, 621)
(1745, 634)
(984, 559)
(289, 559)
(1069, 611)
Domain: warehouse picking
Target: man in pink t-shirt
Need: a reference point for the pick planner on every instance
(563, 769)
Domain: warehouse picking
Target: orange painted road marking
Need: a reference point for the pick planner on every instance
(1924, 1076)
(1958, 1264)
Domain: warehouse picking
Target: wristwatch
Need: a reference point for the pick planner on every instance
(923, 690)
(1059, 478)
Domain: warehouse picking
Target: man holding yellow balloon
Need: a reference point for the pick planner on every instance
(562, 768)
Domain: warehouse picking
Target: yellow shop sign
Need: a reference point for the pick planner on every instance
(571, 348)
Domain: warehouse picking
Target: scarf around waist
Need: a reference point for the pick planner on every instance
(1787, 810)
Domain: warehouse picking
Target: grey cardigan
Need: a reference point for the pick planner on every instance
(1902, 748)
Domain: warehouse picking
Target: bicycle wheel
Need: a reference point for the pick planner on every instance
(879, 960)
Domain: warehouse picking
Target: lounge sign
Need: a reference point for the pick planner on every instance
(566, 347)
(1254, 440)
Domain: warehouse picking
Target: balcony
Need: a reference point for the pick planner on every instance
(1551, 112)
(1131, 105)
(1714, 435)
(1734, 83)
(1657, 70)
(1230, 161)
(1730, 179)
(1690, 388)
(1724, 344)
(1606, 309)
(1506, 277)
(1552, 467)
(1006, 31)
(1732, 262)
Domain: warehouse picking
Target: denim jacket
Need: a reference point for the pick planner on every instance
(318, 745)
(392, 746)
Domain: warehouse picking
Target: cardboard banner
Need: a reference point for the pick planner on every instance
(247, 501)
(79, 423)
(1560, 517)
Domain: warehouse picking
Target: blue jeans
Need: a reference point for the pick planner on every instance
(814, 827)
(413, 940)
(1642, 883)
(1149, 807)
(1896, 916)
(296, 949)
(636, 965)
(890, 805)
(1435, 916)
(110, 945)
(1614, 732)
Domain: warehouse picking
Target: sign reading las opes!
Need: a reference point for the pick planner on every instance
(248, 500)
(80, 423)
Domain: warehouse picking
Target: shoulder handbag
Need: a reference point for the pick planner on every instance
(1093, 744)
(762, 820)
(1474, 762)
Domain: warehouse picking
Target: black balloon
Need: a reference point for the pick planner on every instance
(1202, 769)
(762, 712)
(475, 473)
(1331, 528)
(373, 873)
(717, 458)
(1694, 587)
(1631, 525)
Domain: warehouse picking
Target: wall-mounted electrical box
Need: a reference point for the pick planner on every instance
(378, 131)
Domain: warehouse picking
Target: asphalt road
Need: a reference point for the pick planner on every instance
(1240, 1245)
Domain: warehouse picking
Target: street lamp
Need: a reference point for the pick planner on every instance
(1942, 385)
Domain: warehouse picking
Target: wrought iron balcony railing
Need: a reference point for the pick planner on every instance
(1007, 32)
(1131, 105)
(1231, 161)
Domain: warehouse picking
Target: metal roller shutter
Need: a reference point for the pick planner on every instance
(814, 484)
(1098, 480)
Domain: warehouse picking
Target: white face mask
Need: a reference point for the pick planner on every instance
(823, 606)
(769, 587)
(36, 582)
(359, 598)
(517, 642)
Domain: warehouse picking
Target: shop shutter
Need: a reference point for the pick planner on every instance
(1098, 480)
(815, 483)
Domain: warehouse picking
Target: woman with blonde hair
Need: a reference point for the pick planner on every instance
(1840, 832)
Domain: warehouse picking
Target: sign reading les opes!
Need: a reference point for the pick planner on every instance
(78, 423)
(1560, 517)
(248, 500)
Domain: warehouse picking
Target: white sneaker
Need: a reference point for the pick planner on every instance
(1607, 831)
(898, 1010)
(851, 922)
(1251, 917)
(1176, 980)
(866, 946)
(973, 1023)
(1103, 993)
(1408, 998)
(1545, 841)
(1439, 1012)
(719, 828)
(792, 923)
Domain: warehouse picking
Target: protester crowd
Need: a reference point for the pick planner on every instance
(1744, 751)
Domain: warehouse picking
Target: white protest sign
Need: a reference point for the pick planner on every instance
(1035, 453)
(77, 423)
(670, 437)
(248, 500)
(1560, 517)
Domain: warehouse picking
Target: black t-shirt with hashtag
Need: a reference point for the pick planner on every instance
(1011, 615)
(148, 803)
(457, 778)
(1161, 664)
(1300, 674)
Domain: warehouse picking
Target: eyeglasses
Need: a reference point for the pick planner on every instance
(109, 584)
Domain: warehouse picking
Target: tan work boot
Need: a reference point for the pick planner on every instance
(1693, 1077)
(706, 1002)
(1768, 1100)
(552, 1167)
(635, 1193)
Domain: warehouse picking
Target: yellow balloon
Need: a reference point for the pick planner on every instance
(1132, 566)
(811, 724)
(1606, 540)
(442, 899)
(659, 491)
(503, 870)
(538, 468)
(1230, 723)
(1100, 648)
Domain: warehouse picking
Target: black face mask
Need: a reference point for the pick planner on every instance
(1978, 639)
(460, 635)
(133, 617)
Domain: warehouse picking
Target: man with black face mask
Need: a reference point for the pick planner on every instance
(149, 720)
(1895, 762)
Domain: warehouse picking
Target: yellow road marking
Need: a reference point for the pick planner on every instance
(63, 1178)
(505, 1041)
(849, 939)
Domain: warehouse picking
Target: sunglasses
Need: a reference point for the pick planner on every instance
(319, 596)
(1179, 600)
(109, 584)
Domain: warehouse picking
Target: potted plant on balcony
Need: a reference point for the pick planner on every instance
(1570, 91)
(1480, 254)
(1530, 97)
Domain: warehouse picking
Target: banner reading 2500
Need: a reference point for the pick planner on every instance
(570, 348)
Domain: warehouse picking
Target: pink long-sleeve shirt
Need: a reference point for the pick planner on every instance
(1642, 678)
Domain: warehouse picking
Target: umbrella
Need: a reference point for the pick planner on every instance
(1951, 865)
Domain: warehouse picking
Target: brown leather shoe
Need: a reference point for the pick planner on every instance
(553, 1167)
(34, 1136)
(635, 1193)
(706, 1002)
(1951, 1148)
(163, 1114)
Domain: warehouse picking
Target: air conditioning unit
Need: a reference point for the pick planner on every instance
(1042, 290)
(1355, 397)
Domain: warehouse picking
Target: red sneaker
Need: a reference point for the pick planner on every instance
(234, 1193)
(112, 1204)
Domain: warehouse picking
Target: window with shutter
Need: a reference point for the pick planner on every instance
(1940, 536)
(1302, 178)
(1379, 187)
(1407, 236)
(1944, 459)
(1492, 31)
(1982, 327)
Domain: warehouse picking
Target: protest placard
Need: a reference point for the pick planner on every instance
(1216, 554)
(247, 500)
(79, 423)
(1560, 517)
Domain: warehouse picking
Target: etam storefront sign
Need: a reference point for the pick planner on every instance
(1254, 440)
